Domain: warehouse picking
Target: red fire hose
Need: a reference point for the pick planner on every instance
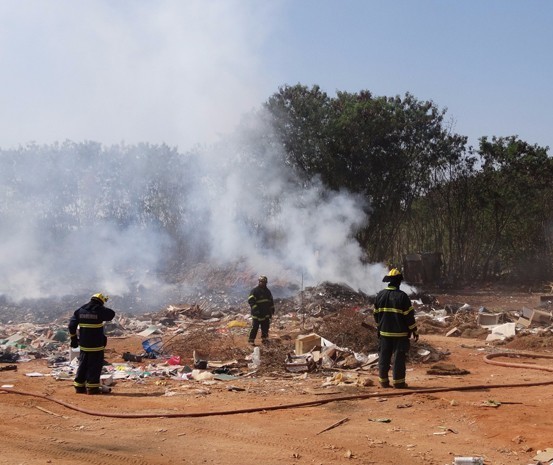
(488, 359)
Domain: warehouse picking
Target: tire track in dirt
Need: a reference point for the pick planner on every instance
(49, 447)
(316, 448)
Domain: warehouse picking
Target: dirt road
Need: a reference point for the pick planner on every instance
(506, 425)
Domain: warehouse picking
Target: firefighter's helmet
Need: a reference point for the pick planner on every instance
(101, 297)
(263, 279)
(393, 275)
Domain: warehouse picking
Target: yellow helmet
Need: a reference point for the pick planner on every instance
(393, 275)
(103, 298)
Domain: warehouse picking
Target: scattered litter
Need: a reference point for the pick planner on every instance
(334, 425)
(235, 388)
(490, 403)
(8, 367)
(404, 405)
(468, 461)
(128, 357)
(153, 345)
(446, 430)
(300, 363)
(49, 412)
(380, 420)
(237, 324)
(149, 331)
(544, 455)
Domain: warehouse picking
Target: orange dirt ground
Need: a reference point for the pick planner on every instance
(429, 428)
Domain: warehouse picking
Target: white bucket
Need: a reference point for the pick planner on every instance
(74, 353)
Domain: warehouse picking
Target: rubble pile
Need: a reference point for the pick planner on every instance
(331, 297)
(324, 328)
(349, 328)
(522, 329)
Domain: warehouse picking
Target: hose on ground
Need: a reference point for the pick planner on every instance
(488, 359)
(404, 392)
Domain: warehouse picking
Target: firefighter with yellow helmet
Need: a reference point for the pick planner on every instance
(395, 319)
(86, 330)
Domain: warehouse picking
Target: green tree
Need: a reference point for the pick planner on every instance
(384, 148)
(514, 190)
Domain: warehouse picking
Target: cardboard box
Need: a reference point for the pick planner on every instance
(307, 342)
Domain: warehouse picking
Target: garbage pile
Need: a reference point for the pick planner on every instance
(497, 327)
(321, 330)
(325, 298)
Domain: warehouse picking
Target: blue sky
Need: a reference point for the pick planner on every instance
(184, 72)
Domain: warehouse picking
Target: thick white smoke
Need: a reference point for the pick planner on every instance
(79, 217)
(114, 216)
(310, 229)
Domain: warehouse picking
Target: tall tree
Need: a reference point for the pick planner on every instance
(515, 204)
(381, 147)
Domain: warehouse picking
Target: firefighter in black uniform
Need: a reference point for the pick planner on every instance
(395, 320)
(262, 309)
(90, 338)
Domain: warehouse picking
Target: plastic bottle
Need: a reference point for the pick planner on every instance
(468, 461)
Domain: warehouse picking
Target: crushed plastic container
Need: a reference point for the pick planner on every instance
(174, 360)
(468, 461)
(152, 345)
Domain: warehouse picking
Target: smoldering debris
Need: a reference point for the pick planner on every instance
(218, 321)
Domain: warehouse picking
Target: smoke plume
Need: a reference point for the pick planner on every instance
(133, 217)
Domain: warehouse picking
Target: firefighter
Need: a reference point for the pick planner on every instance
(262, 310)
(395, 319)
(90, 338)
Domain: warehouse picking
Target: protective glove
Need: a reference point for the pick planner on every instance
(74, 342)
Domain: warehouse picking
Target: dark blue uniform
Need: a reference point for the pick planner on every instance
(89, 319)
(395, 319)
(262, 310)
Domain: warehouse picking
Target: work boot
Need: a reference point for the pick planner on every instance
(385, 384)
(401, 386)
(80, 390)
(251, 342)
(93, 391)
(265, 340)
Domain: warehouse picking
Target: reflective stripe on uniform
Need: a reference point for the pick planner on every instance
(394, 310)
(92, 349)
(384, 333)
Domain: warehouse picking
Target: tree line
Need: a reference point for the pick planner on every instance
(487, 210)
